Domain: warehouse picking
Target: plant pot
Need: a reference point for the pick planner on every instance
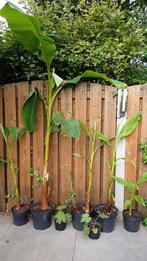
(131, 223)
(41, 217)
(108, 224)
(20, 216)
(76, 217)
(93, 235)
(60, 227)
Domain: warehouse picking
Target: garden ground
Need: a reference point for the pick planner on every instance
(27, 244)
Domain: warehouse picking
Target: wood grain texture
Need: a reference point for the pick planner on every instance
(11, 121)
(143, 139)
(24, 147)
(65, 148)
(132, 140)
(2, 168)
(80, 145)
(38, 142)
(95, 115)
(109, 129)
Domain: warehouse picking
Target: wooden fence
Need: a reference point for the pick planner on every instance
(86, 102)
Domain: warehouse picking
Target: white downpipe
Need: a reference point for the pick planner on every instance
(120, 152)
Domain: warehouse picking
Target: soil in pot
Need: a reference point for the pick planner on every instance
(20, 216)
(131, 223)
(108, 224)
(76, 216)
(60, 227)
(41, 217)
(95, 230)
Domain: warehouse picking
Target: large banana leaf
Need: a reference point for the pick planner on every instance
(29, 111)
(129, 126)
(26, 30)
(97, 75)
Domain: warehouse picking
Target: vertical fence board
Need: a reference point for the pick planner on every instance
(65, 148)
(80, 145)
(38, 142)
(2, 169)
(24, 148)
(53, 163)
(10, 120)
(95, 115)
(142, 166)
(109, 128)
(132, 139)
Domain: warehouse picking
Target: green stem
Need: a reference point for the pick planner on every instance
(14, 174)
(111, 175)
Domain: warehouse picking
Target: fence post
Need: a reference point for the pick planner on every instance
(121, 149)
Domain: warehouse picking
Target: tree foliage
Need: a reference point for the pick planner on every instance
(96, 35)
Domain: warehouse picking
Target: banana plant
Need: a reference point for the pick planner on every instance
(26, 30)
(125, 131)
(12, 134)
(94, 144)
(133, 189)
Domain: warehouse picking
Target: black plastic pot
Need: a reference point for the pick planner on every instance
(108, 224)
(60, 227)
(20, 217)
(93, 235)
(132, 223)
(41, 218)
(76, 217)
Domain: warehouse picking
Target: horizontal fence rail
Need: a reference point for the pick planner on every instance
(88, 103)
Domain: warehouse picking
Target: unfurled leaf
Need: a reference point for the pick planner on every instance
(142, 179)
(29, 111)
(26, 30)
(139, 200)
(15, 132)
(85, 128)
(58, 118)
(129, 126)
(103, 137)
(96, 75)
(125, 183)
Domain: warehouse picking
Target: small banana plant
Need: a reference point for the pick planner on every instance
(11, 136)
(125, 131)
(133, 189)
(96, 140)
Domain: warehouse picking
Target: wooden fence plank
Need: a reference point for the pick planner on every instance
(109, 128)
(38, 142)
(132, 140)
(53, 163)
(65, 148)
(95, 115)
(80, 145)
(11, 121)
(2, 169)
(24, 148)
(142, 166)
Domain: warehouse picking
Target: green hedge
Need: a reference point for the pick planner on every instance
(100, 37)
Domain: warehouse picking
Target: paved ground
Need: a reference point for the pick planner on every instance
(27, 244)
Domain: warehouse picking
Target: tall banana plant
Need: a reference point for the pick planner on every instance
(125, 131)
(26, 30)
(15, 133)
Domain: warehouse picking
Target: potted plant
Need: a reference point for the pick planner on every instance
(131, 216)
(91, 227)
(19, 211)
(26, 30)
(109, 208)
(94, 144)
(62, 217)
